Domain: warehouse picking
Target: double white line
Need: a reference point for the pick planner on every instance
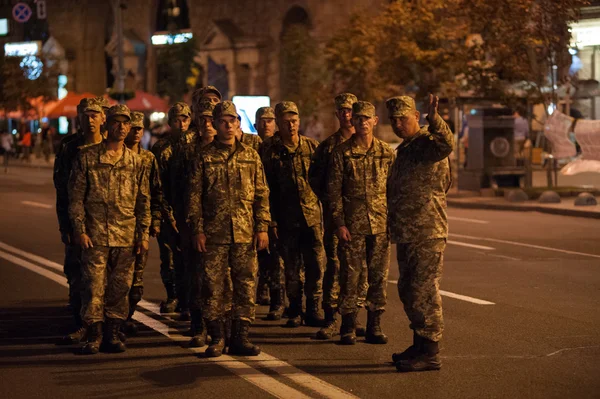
(311, 385)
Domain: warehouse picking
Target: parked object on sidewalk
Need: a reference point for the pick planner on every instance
(517, 195)
(586, 199)
(556, 130)
(549, 197)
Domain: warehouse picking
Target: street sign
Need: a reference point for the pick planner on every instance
(21, 12)
(41, 9)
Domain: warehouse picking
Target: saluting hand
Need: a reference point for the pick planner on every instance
(432, 107)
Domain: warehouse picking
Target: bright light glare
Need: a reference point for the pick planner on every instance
(21, 49)
(162, 39)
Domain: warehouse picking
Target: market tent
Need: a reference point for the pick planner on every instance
(146, 102)
(68, 105)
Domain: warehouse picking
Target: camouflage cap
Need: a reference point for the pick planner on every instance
(363, 108)
(265, 113)
(285, 107)
(103, 102)
(400, 106)
(90, 104)
(225, 108)
(137, 119)
(179, 108)
(205, 108)
(345, 100)
(119, 109)
(198, 93)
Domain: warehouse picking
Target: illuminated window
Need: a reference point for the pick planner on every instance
(3, 26)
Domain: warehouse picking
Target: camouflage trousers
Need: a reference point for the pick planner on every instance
(304, 262)
(331, 277)
(138, 271)
(72, 270)
(270, 266)
(374, 251)
(170, 255)
(222, 264)
(107, 278)
(420, 265)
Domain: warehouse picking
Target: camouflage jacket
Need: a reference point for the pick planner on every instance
(227, 196)
(163, 151)
(179, 170)
(357, 186)
(293, 202)
(252, 140)
(109, 202)
(159, 207)
(63, 163)
(418, 184)
(321, 164)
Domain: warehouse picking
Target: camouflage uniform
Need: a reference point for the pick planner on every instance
(111, 204)
(63, 164)
(251, 140)
(357, 200)
(418, 223)
(228, 202)
(296, 212)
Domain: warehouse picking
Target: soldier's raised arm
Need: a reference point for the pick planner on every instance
(439, 142)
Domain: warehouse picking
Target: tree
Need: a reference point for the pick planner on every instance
(177, 72)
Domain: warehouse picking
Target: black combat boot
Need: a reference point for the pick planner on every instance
(348, 329)
(276, 307)
(75, 337)
(295, 316)
(409, 352)
(112, 339)
(313, 316)
(94, 339)
(240, 345)
(331, 327)
(427, 358)
(216, 330)
(170, 304)
(374, 335)
(198, 330)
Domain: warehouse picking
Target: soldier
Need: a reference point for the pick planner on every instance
(417, 189)
(209, 92)
(228, 213)
(270, 265)
(319, 177)
(160, 210)
(179, 119)
(110, 213)
(253, 141)
(296, 214)
(91, 119)
(357, 201)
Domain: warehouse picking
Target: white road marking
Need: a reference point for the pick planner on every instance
(457, 296)
(37, 204)
(477, 221)
(521, 244)
(503, 256)
(245, 371)
(466, 244)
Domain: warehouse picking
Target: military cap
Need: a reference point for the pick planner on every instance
(104, 103)
(205, 108)
(345, 100)
(225, 108)
(363, 108)
(285, 107)
(265, 113)
(90, 104)
(179, 108)
(198, 93)
(119, 109)
(137, 119)
(400, 106)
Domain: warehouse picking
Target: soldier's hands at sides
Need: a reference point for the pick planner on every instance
(141, 247)
(261, 240)
(432, 108)
(199, 242)
(274, 232)
(174, 226)
(154, 231)
(344, 234)
(65, 238)
(85, 241)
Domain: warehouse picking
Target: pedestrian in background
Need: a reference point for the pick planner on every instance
(6, 148)
(25, 142)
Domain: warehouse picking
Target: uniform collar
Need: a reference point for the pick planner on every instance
(103, 158)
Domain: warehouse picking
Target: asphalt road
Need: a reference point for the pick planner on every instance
(521, 298)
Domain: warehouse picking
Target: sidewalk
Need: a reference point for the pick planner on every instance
(35, 163)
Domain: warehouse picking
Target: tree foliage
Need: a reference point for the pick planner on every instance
(176, 69)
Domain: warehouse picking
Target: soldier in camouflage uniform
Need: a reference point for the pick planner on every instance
(418, 223)
(319, 177)
(296, 212)
(179, 118)
(271, 278)
(110, 213)
(357, 202)
(91, 117)
(209, 92)
(253, 141)
(159, 208)
(228, 213)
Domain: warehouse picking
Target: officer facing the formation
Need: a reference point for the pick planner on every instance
(110, 213)
(417, 189)
(159, 208)
(179, 119)
(271, 278)
(319, 176)
(91, 119)
(296, 211)
(357, 201)
(228, 213)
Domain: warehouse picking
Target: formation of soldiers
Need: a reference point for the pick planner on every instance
(243, 218)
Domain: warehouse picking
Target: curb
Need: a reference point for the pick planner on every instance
(524, 208)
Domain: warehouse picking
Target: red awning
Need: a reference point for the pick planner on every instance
(146, 102)
(68, 105)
